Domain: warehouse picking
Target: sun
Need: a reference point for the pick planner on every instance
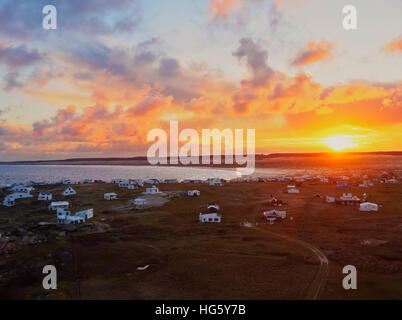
(340, 142)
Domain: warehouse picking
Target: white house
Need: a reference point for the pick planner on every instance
(21, 195)
(124, 183)
(110, 196)
(140, 201)
(152, 181)
(9, 201)
(275, 214)
(65, 217)
(68, 191)
(330, 199)
(44, 195)
(393, 180)
(193, 193)
(292, 189)
(20, 188)
(152, 190)
(215, 182)
(368, 206)
(211, 215)
(59, 204)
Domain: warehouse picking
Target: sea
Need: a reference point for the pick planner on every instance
(44, 173)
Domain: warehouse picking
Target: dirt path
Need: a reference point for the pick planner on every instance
(320, 278)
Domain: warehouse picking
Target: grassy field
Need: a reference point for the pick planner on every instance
(189, 260)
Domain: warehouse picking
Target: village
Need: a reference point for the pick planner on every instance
(50, 214)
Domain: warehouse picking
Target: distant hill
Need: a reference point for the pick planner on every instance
(142, 160)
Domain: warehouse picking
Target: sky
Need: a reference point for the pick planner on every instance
(114, 70)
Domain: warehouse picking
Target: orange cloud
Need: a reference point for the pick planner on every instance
(394, 45)
(222, 8)
(314, 52)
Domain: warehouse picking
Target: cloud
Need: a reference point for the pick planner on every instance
(169, 67)
(95, 17)
(394, 45)
(12, 81)
(150, 103)
(314, 52)
(223, 8)
(17, 56)
(256, 59)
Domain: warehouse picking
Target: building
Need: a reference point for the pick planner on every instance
(152, 181)
(69, 191)
(110, 196)
(140, 201)
(152, 190)
(20, 188)
(193, 193)
(274, 214)
(211, 215)
(21, 195)
(215, 182)
(368, 206)
(9, 201)
(348, 199)
(45, 195)
(65, 217)
(125, 183)
(330, 199)
(293, 189)
(59, 204)
(275, 202)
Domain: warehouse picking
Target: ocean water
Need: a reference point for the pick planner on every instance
(39, 173)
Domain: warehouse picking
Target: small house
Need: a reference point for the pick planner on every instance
(211, 215)
(193, 193)
(110, 196)
(140, 201)
(293, 189)
(330, 199)
(9, 201)
(20, 188)
(152, 190)
(124, 183)
(368, 206)
(44, 196)
(21, 195)
(59, 204)
(275, 202)
(348, 199)
(274, 214)
(65, 217)
(69, 191)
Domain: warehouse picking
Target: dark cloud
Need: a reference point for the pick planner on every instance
(22, 19)
(12, 81)
(256, 58)
(83, 76)
(99, 57)
(3, 131)
(169, 67)
(18, 56)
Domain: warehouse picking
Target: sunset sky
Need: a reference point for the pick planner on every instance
(113, 70)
